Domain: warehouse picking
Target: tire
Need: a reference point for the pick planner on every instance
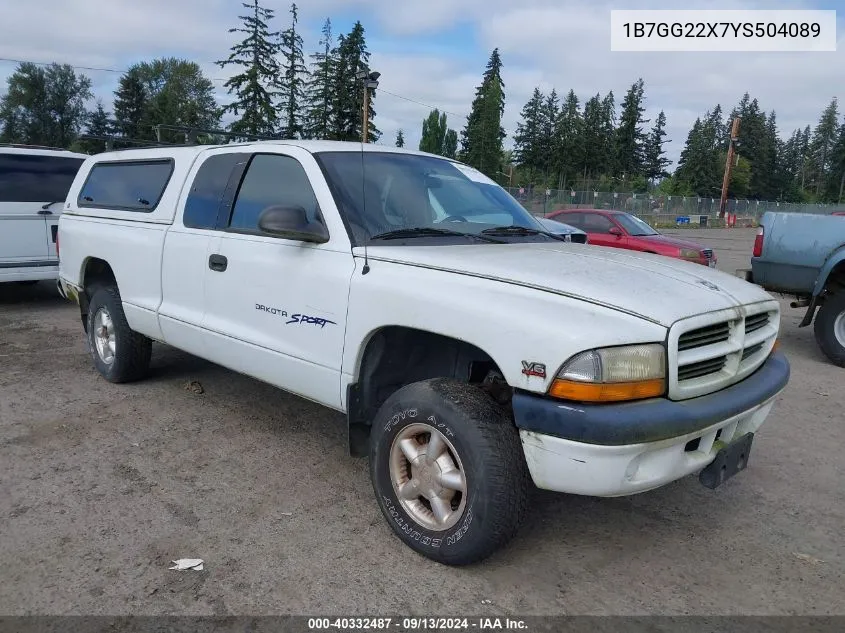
(479, 440)
(829, 328)
(119, 353)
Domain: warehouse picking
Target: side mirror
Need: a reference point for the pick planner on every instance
(615, 230)
(292, 223)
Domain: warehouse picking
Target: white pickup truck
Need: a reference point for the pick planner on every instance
(471, 351)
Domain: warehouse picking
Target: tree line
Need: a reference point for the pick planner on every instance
(275, 92)
(559, 142)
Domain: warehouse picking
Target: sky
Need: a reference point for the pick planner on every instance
(431, 53)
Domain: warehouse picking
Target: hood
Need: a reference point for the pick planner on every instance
(670, 240)
(656, 288)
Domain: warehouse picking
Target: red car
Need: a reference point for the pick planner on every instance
(623, 230)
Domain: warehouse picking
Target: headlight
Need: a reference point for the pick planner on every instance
(689, 253)
(613, 374)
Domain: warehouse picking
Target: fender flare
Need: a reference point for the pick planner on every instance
(836, 257)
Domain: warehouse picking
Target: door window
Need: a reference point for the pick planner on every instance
(595, 223)
(272, 180)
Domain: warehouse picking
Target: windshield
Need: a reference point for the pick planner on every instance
(379, 194)
(633, 225)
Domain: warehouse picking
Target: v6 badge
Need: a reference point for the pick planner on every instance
(534, 369)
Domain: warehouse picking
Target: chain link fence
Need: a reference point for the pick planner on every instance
(660, 210)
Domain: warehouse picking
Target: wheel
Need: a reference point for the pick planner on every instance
(119, 353)
(830, 328)
(448, 470)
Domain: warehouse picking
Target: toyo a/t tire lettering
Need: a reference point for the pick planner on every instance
(448, 471)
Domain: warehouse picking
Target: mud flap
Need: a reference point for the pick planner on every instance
(730, 460)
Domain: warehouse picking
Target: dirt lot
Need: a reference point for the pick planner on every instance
(102, 485)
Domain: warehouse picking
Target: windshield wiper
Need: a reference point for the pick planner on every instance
(519, 230)
(430, 231)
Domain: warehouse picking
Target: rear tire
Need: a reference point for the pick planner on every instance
(467, 501)
(120, 354)
(829, 328)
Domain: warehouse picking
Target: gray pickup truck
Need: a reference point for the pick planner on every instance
(803, 255)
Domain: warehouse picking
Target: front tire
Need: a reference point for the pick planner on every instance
(120, 354)
(829, 328)
(448, 470)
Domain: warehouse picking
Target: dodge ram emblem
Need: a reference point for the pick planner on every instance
(707, 284)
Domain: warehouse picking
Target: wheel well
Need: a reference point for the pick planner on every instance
(835, 281)
(97, 273)
(398, 356)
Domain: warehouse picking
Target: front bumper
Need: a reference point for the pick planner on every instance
(67, 290)
(621, 449)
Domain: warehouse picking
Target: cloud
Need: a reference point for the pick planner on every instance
(433, 52)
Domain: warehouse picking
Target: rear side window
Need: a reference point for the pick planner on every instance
(213, 190)
(126, 185)
(32, 178)
(595, 223)
(572, 219)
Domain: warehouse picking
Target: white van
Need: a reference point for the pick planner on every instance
(33, 186)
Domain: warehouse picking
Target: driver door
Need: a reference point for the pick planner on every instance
(275, 308)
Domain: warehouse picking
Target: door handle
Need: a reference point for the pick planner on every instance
(217, 262)
(45, 212)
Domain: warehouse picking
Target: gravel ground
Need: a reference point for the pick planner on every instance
(102, 485)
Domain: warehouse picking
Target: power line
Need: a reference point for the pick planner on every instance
(120, 72)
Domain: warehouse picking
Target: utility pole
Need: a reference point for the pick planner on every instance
(366, 117)
(729, 163)
(370, 81)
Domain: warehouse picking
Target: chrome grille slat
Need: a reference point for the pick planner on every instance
(756, 322)
(704, 336)
(703, 368)
(750, 351)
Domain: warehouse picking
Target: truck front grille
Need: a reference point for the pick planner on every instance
(713, 351)
(707, 252)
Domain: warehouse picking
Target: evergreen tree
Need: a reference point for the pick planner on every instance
(699, 168)
(320, 87)
(568, 141)
(481, 139)
(630, 139)
(774, 182)
(292, 87)
(254, 87)
(400, 138)
(98, 126)
(351, 56)
(130, 103)
(527, 151)
(835, 190)
(821, 146)
(548, 120)
(594, 157)
(450, 144)
(607, 134)
(654, 160)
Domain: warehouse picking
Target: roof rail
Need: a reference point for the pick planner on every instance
(24, 146)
